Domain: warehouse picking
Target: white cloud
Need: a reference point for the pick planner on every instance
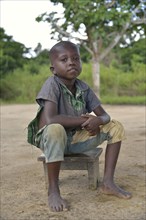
(18, 20)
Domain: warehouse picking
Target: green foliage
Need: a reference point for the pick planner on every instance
(136, 52)
(86, 74)
(85, 55)
(118, 83)
(23, 84)
(117, 87)
(42, 58)
(121, 87)
(97, 18)
(8, 90)
(100, 25)
(123, 100)
(12, 53)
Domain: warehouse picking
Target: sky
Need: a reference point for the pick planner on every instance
(18, 20)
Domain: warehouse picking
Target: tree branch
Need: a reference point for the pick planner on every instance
(87, 48)
(108, 5)
(68, 35)
(114, 42)
(139, 21)
(120, 35)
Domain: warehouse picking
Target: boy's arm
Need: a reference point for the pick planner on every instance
(50, 115)
(93, 122)
(102, 115)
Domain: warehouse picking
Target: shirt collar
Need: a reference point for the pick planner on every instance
(78, 83)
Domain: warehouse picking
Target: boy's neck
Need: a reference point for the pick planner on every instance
(72, 89)
(70, 84)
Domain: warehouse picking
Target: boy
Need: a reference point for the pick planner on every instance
(63, 124)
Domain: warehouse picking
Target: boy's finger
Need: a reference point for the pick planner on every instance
(84, 124)
(85, 115)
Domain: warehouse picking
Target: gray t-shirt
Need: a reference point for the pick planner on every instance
(84, 101)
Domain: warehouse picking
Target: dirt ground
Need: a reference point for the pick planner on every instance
(23, 192)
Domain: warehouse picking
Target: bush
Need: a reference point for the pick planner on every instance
(121, 87)
(22, 86)
(8, 90)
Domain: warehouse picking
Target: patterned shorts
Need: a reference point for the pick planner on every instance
(54, 141)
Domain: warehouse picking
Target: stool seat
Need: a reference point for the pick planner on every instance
(86, 161)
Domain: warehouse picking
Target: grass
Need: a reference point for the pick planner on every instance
(123, 100)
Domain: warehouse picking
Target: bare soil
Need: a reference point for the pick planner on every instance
(23, 192)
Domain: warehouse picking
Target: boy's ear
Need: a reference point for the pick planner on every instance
(52, 69)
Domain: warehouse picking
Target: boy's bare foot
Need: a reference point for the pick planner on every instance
(112, 189)
(56, 203)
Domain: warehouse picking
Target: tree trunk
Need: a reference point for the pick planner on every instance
(96, 75)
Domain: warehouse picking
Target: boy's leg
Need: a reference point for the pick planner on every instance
(56, 203)
(116, 131)
(108, 186)
(53, 143)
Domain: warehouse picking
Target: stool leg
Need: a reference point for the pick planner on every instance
(93, 174)
(45, 173)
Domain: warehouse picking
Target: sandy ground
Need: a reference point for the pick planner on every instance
(23, 192)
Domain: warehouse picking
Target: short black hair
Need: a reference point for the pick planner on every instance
(62, 44)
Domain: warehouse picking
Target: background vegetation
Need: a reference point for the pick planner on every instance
(122, 78)
(97, 25)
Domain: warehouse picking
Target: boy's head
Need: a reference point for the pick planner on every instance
(65, 60)
(62, 44)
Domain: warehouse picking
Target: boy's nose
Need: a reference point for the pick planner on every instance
(71, 61)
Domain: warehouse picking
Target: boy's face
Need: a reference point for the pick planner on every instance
(66, 63)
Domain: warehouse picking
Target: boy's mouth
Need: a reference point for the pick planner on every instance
(72, 69)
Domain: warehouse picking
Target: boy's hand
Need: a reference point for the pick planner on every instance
(91, 124)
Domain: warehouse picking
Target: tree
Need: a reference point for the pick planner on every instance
(98, 25)
(126, 54)
(40, 59)
(12, 53)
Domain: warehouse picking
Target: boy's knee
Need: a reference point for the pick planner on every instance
(55, 130)
(53, 142)
(54, 135)
(117, 132)
(119, 127)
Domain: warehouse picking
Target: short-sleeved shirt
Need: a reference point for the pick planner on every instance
(54, 90)
(84, 101)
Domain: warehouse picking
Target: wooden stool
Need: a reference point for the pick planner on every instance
(87, 161)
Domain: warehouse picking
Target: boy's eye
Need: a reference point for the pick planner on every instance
(64, 59)
(76, 58)
(73, 59)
